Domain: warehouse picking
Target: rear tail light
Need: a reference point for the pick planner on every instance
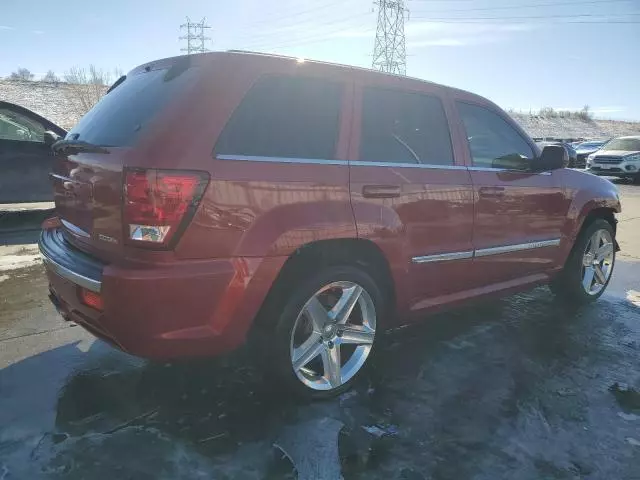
(158, 204)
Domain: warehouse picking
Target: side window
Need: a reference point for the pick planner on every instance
(490, 137)
(291, 117)
(404, 127)
(19, 127)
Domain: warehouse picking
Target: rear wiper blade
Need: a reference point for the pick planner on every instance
(76, 146)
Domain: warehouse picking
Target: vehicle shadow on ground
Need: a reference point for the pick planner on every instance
(504, 388)
(23, 227)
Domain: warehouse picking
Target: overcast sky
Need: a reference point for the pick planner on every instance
(522, 54)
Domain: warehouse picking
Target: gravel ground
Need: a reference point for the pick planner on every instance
(519, 388)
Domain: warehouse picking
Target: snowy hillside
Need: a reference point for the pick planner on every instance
(58, 102)
(557, 127)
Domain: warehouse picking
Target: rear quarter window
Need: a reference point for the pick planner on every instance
(404, 127)
(120, 115)
(286, 117)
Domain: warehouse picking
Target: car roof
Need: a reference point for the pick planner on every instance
(244, 55)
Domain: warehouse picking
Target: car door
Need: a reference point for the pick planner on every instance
(25, 159)
(519, 214)
(409, 195)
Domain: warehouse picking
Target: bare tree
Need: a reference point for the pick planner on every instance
(86, 87)
(21, 74)
(585, 113)
(50, 77)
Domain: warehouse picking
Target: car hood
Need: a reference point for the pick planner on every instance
(617, 153)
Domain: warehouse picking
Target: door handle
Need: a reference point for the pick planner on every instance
(491, 192)
(381, 191)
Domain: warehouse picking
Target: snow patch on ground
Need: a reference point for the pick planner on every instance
(634, 297)
(13, 257)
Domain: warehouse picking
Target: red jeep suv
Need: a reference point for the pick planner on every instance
(213, 197)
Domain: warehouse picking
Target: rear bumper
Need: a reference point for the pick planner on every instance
(183, 309)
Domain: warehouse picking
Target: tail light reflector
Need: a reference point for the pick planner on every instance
(91, 299)
(158, 204)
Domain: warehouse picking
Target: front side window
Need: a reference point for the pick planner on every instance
(18, 127)
(492, 141)
(285, 117)
(404, 127)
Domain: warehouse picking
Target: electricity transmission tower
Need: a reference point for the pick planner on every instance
(389, 53)
(195, 36)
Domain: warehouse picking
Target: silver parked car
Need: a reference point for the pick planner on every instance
(618, 158)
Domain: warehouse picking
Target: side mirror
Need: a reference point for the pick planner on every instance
(50, 138)
(512, 161)
(553, 157)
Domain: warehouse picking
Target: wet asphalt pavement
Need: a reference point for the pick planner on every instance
(519, 388)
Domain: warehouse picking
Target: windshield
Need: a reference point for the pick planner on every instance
(624, 144)
(118, 118)
(589, 145)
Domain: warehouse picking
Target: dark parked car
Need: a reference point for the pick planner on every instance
(307, 207)
(25, 155)
(585, 149)
(571, 153)
(618, 158)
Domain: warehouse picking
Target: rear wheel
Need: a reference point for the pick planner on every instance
(589, 267)
(327, 331)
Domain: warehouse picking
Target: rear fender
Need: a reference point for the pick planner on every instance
(284, 229)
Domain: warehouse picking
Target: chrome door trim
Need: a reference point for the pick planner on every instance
(483, 252)
(441, 257)
(491, 169)
(320, 161)
(252, 158)
(364, 163)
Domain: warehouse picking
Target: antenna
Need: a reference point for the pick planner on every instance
(389, 53)
(195, 36)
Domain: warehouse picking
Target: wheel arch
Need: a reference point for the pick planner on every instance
(606, 213)
(346, 251)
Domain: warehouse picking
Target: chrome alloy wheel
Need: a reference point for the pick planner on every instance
(333, 335)
(597, 262)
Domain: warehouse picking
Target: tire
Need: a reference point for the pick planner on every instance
(293, 332)
(571, 283)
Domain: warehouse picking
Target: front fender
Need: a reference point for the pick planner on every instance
(587, 193)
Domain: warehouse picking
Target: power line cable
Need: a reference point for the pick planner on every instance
(555, 22)
(344, 26)
(291, 15)
(324, 36)
(527, 17)
(531, 5)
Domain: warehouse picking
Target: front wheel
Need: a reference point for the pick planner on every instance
(589, 267)
(327, 330)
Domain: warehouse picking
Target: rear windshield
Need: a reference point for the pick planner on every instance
(118, 118)
(625, 144)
